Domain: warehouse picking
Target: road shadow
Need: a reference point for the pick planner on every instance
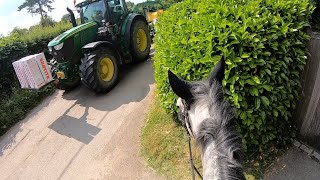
(134, 86)
(75, 128)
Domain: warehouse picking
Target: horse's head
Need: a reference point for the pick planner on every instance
(203, 108)
(192, 94)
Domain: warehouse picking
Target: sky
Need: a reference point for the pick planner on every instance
(10, 17)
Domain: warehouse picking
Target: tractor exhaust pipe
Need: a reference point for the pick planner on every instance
(73, 19)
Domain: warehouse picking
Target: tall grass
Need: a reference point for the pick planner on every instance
(165, 146)
(39, 32)
(36, 33)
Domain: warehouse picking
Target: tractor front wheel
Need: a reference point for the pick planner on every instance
(99, 71)
(140, 40)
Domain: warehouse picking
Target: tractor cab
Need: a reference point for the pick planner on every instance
(102, 11)
(92, 52)
(108, 14)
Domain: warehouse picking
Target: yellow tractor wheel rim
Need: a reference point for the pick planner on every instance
(142, 40)
(106, 69)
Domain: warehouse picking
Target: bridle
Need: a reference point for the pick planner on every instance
(185, 120)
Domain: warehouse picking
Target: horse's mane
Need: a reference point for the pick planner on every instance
(219, 129)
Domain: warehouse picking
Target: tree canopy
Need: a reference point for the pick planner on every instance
(37, 7)
(130, 5)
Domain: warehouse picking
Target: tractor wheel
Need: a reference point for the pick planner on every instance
(140, 41)
(99, 71)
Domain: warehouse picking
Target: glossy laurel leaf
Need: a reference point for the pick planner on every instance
(264, 57)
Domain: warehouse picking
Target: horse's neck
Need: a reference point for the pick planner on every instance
(198, 114)
(217, 166)
(209, 162)
(218, 151)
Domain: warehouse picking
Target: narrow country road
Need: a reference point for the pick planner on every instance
(81, 135)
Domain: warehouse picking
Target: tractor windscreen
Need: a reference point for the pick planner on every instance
(94, 12)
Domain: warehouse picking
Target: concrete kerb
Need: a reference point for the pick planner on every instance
(309, 150)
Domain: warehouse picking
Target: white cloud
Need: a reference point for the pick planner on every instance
(2, 2)
(61, 8)
(137, 1)
(23, 19)
(16, 19)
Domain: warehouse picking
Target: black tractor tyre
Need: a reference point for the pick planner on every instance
(91, 69)
(136, 32)
(63, 85)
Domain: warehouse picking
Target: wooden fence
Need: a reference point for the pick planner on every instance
(307, 114)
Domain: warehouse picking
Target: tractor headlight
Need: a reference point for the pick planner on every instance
(58, 47)
(50, 49)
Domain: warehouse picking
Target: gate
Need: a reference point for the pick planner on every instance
(307, 115)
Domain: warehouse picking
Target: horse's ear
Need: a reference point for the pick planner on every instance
(180, 87)
(218, 72)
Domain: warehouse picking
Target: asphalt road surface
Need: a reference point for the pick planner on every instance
(81, 135)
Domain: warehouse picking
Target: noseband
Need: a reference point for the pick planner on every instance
(185, 120)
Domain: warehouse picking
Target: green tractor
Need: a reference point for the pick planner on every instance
(108, 37)
(151, 9)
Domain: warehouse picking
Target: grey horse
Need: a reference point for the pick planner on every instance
(211, 124)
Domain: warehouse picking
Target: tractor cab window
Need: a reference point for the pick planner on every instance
(111, 3)
(117, 9)
(94, 12)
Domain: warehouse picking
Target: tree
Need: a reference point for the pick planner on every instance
(35, 7)
(19, 31)
(171, 1)
(66, 18)
(47, 21)
(168, 3)
(130, 5)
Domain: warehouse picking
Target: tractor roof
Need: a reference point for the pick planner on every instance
(80, 3)
(76, 2)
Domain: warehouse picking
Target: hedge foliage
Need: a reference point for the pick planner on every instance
(15, 103)
(264, 44)
(16, 46)
(21, 101)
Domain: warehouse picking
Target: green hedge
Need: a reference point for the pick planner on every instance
(15, 47)
(15, 103)
(264, 44)
(15, 108)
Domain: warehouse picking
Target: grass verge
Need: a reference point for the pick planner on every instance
(19, 104)
(165, 145)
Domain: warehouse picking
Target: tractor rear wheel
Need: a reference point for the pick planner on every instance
(99, 71)
(140, 42)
